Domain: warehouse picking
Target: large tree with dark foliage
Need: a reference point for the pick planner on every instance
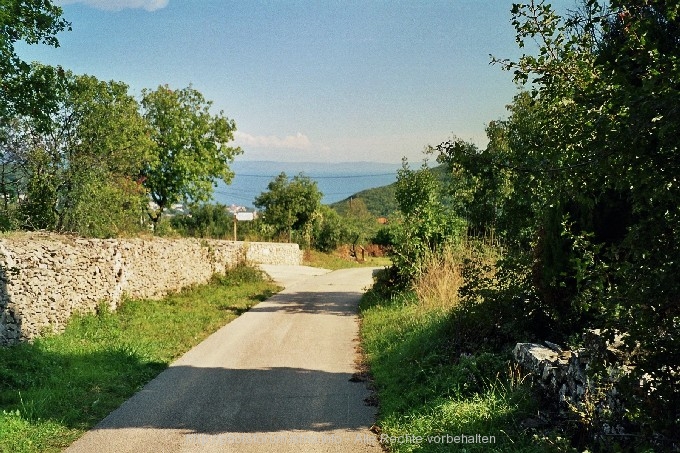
(588, 162)
(34, 22)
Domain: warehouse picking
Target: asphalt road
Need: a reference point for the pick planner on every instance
(276, 379)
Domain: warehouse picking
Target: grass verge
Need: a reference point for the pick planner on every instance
(54, 389)
(333, 262)
(429, 391)
(425, 391)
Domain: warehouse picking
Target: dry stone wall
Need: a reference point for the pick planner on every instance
(562, 377)
(45, 279)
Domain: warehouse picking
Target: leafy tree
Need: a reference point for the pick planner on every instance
(107, 206)
(290, 205)
(478, 188)
(190, 147)
(330, 230)
(592, 154)
(359, 224)
(35, 22)
(77, 167)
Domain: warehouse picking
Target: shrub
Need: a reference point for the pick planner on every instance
(426, 226)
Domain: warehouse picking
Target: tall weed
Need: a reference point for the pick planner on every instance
(437, 286)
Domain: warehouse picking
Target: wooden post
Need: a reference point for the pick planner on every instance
(235, 237)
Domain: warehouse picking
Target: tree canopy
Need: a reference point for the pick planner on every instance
(76, 167)
(33, 22)
(290, 204)
(582, 179)
(190, 148)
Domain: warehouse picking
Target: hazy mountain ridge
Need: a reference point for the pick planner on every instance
(274, 168)
(336, 180)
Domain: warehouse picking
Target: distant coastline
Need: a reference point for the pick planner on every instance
(336, 180)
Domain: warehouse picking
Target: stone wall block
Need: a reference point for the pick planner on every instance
(45, 278)
(563, 376)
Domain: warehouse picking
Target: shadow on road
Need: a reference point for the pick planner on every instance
(218, 400)
(339, 303)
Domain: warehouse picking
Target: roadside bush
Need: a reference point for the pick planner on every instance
(205, 221)
(103, 209)
(384, 237)
(438, 284)
(165, 229)
(240, 274)
(428, 387)
(329, 231)
(426, 226)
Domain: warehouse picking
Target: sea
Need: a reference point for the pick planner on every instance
(336, 181)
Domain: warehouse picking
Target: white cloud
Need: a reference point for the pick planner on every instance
(297, 141)
(117, 5)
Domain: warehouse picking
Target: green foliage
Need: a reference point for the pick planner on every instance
(580, 187)
(75, 167)
(426, 227)
(205, 221)
(417, 191)
(291, 205)
(580, 184)
(190, 148)
(107, 208)
(208, 220)
(351, 225)
(384, 236)
(239, 275)
(612, 104)
(426, 388)
(25, 92)
(75, 151)
(330, 230)
(477, 189)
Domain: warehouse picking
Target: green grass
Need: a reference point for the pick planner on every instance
(54, 389)
(425, 388)
(333, 262)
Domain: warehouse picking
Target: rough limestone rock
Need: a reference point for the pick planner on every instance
(563, 376)
(46, 278)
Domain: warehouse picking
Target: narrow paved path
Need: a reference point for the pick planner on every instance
(276, 379)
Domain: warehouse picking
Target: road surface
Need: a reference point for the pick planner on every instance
(276, 379)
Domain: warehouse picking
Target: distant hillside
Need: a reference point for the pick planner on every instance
(381, 201)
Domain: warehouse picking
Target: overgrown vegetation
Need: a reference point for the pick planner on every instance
(579, 186)
(432, 378)
(54, 389)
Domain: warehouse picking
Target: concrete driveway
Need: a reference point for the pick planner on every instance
(276, 379)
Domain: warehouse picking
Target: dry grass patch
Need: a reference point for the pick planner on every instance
(437, 286)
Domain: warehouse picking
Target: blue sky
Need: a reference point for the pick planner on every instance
(323, 81)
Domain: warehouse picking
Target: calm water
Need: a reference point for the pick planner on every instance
(335, 181)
